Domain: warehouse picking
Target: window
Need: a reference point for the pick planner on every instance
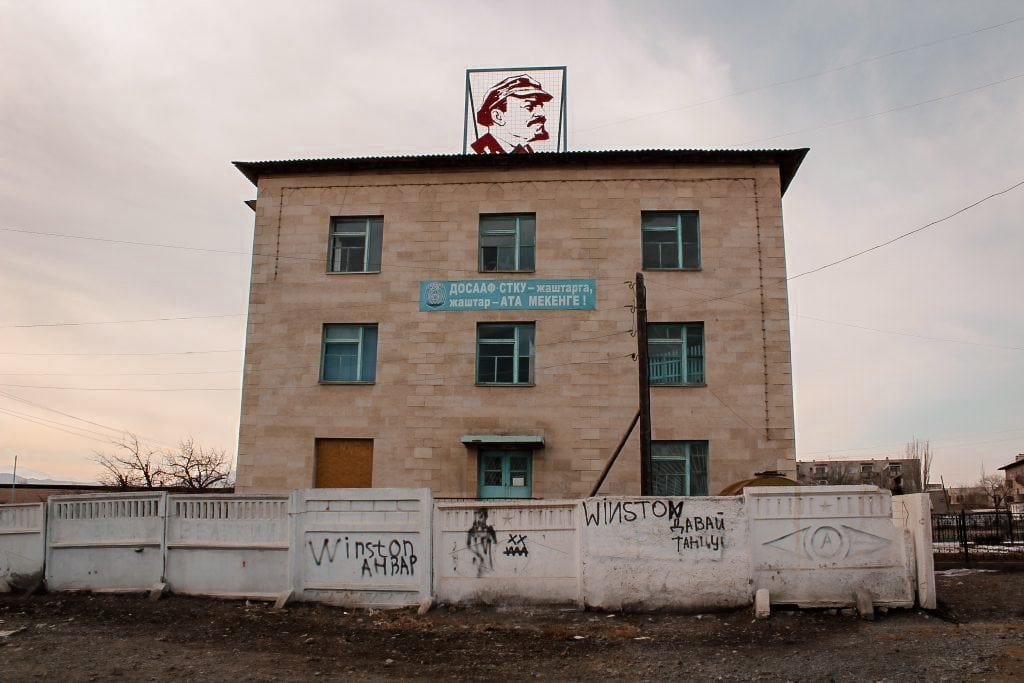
(823, 482)
(506, 474)
(819, 470)
(676, 353)
(679, 468)
(504, 353)
(895, 468)
(507, 242)
(671, 240)
(865, 470)
(349, 353)
(355, 245)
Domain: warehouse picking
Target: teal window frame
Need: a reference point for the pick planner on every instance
(347, 232)
(521, 337)
(521, 228)
(674, 235)
(675, 462)
(506, 464)
(679, 347)
(344, 337)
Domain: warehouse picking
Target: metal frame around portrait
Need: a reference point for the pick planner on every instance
(469, 111)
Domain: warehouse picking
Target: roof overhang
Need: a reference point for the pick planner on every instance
(787, 161)
(531, 441)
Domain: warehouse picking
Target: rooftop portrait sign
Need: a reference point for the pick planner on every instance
(516, 110)
(508, 295)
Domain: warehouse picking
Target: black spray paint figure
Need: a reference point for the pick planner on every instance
(480, 539)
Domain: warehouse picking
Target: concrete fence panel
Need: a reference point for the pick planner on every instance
(913, 511)
(507, 551)
(228, 546)
(819, 545)
(22, 544)
(105, 541)
(665, 553)
(362, 547)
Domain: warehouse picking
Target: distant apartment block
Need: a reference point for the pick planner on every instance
(899, 476)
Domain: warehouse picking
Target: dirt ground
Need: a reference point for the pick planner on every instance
(977, 634)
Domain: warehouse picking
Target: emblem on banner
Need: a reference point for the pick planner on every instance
(435, 293)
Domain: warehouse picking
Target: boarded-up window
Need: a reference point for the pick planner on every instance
(344, 463)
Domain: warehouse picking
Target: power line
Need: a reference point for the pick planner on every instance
(780, 281)
(118, 354)
(117, 430)
(949, 441)
(130, 242)
(41, 420)
(909, 232)
(52, 426)
(118, 374)
(119, 322)
(798, 79)
(910, 334)
(853, 325)
(880, 113)
(144, 389)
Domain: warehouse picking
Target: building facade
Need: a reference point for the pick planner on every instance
(467, 323)
(898, 475)
(1014, 473)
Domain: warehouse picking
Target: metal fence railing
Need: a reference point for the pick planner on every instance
(979, 536)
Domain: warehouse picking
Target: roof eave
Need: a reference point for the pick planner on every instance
(787, 160)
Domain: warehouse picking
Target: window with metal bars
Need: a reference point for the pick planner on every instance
(505, 474)
(679, 468)
(675, 353)
(507, 242)
(355, 244)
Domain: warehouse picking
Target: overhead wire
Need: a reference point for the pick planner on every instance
(797, 79)
(880, 113)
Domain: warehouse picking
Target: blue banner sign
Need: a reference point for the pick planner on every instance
(508, 295)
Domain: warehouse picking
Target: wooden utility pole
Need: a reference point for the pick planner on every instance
(646, 485)
(14, 481)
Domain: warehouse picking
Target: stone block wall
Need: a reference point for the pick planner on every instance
(425, 397)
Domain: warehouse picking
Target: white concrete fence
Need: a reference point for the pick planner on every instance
(22, 544)
(810, 546)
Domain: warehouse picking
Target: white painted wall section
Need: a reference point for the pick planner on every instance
(22, 544)
(819, 545)
(105, 541)
(228, 546)
(913, 512)
(665, 553)
(362, 547)
(507, 551)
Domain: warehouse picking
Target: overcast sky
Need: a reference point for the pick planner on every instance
(119, 120)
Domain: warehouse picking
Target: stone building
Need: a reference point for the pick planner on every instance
(1014, 473)
(465, 323)
(901, 475)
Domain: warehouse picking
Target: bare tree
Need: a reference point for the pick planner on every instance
(923, 451)
(842, 473)
(131, 464)
(197, 468)
(996, 489)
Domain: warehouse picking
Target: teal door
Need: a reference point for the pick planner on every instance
(506, 474)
